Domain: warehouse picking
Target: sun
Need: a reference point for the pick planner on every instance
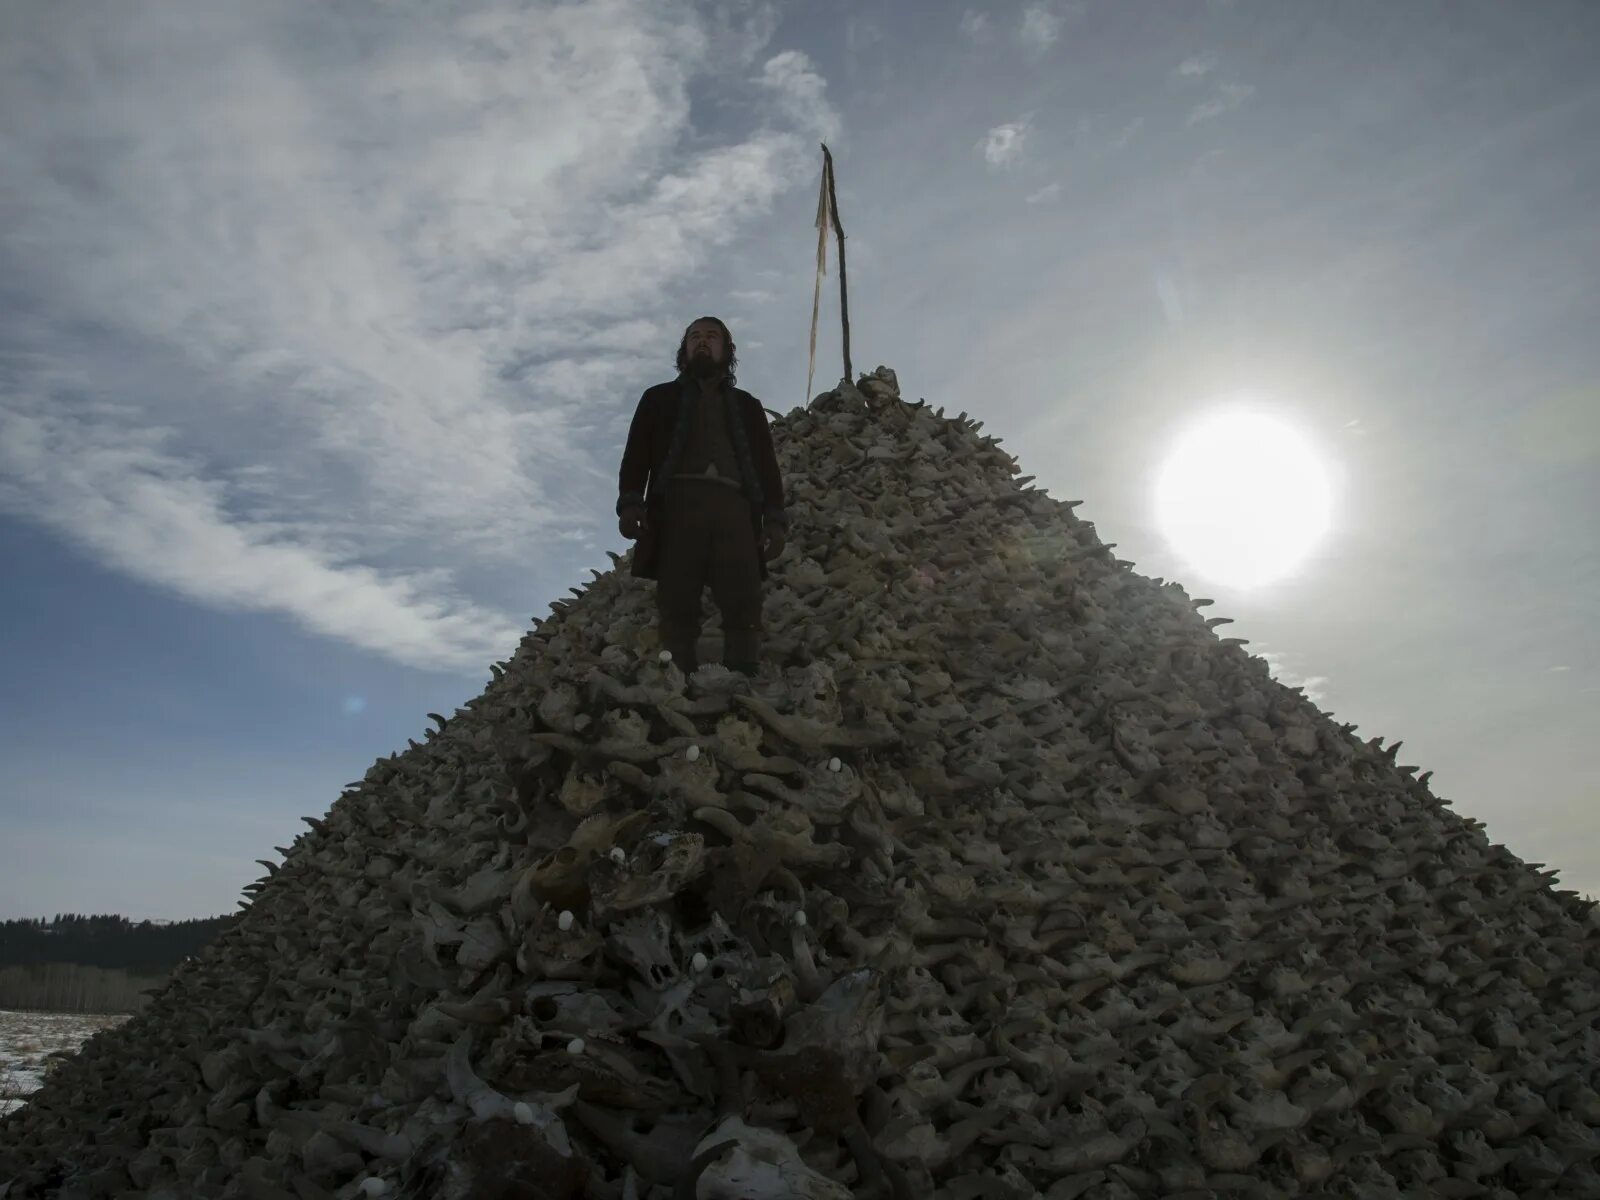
(1242, 497)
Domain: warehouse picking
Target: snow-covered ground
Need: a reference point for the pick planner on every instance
(28, 1038)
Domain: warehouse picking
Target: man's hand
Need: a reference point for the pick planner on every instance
(634, 521)
(772, 543)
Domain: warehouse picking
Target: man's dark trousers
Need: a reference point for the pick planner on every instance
(707, 536)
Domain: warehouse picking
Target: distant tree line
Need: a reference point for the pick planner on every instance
(67, 987)
(146, 948)
(101, 963)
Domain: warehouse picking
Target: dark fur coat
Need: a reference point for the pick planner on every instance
(656, 441)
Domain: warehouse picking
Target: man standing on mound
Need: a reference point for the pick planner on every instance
(715, 511)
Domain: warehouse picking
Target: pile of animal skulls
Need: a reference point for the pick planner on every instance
(1005, 877)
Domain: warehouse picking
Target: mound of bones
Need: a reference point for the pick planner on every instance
(1005, 877)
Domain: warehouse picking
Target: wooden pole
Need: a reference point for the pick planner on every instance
(838, 229)
(822, 269)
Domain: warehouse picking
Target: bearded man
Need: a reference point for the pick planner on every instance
(714, 512)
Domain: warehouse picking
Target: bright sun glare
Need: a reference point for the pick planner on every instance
(1242, 498)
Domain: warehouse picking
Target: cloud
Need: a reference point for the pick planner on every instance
(1127, 133)
(118, 494)
(1094, 134)
(1051, 191)
(1039, 28)
(1228, 97)
(1195, 66)
(1315, 686)
(1002, 145)
(975, 25)
(801, 93)
(1040, 25)
(283, 305)
(860, 33)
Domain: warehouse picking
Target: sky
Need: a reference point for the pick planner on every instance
(321, 328)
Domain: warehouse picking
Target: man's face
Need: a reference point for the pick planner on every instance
(706, 346)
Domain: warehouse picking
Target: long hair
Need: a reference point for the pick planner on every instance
(683, 348)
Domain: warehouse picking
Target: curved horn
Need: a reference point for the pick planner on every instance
(690, 1181)
(722, 821)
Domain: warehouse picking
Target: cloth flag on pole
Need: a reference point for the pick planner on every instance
(824, 224)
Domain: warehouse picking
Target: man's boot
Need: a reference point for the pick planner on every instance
(741, 650)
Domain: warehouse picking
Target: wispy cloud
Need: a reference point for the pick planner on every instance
(975, 25)
(1095, 133)
(1195, 66)
(1227, 98)
(116, 491)
(1040, 27)
(1315, 686)
(801, 93)
(1002, 145)
(861, 33)
(1127, 132)
(1051, 191)
(1042, 22)
(358, 302)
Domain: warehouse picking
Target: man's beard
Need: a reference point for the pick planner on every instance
(703, 366)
